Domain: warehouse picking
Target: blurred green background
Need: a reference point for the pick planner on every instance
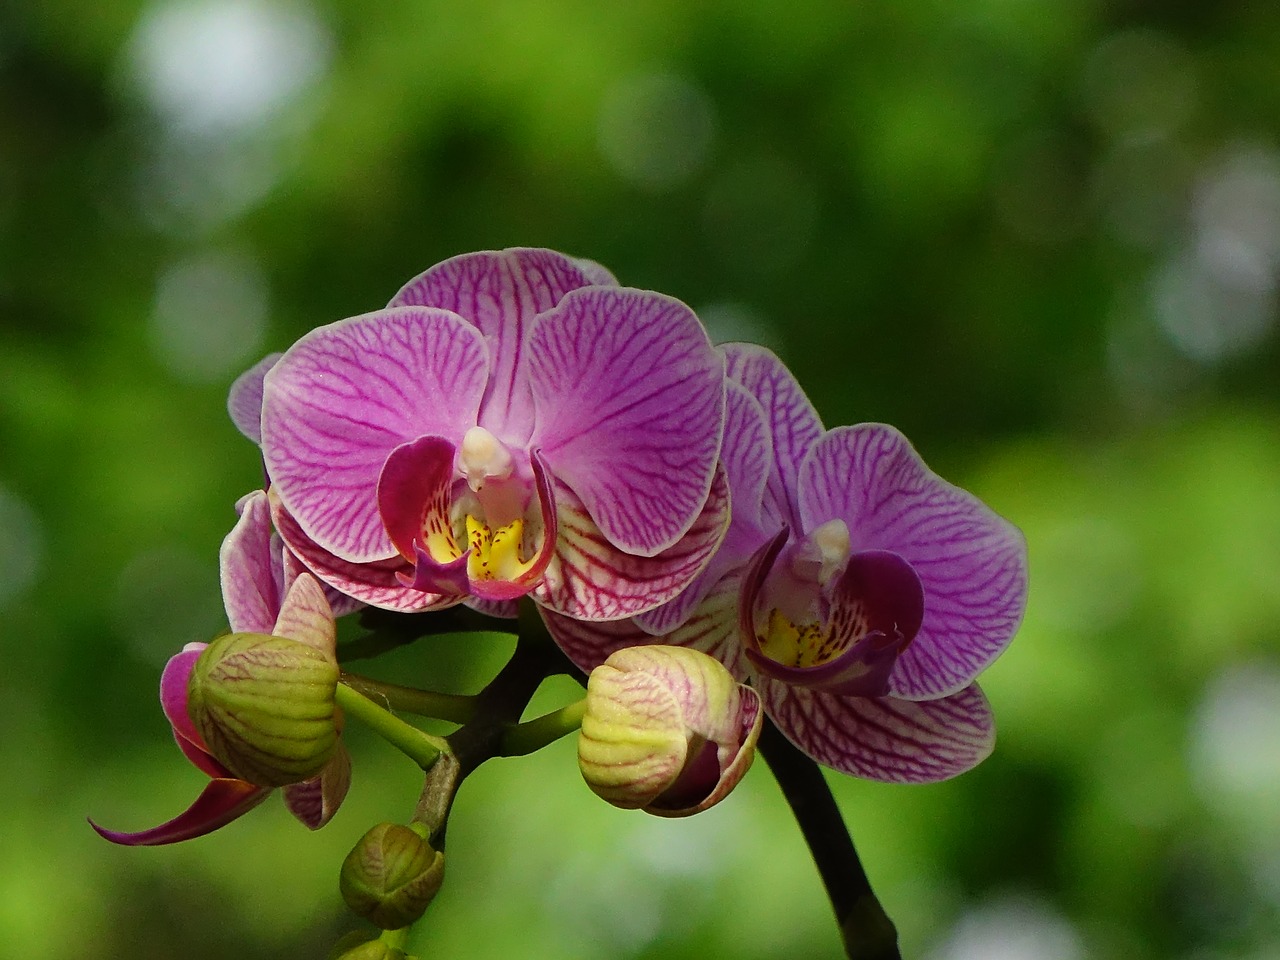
(1040, 236)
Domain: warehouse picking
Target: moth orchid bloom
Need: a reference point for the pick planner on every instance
(866, 613)
(252, 589)
(513, 423)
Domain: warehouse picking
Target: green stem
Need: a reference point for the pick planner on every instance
(396, 939)
(456, 708)
(421, 747)
(535, 734)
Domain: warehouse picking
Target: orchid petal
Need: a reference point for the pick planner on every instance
(885, 739)
(173, 701)
(712, 628)
(746, 455)
(630, 406)
(415, 493)
(503, 590)
(244, 401)
(376, 583)
(305, 617)
(971, 561)
(590, 579)
(793, 422)
(500, 292)
(248, 562)
(314, 802)
(498, 609)
(346, 395)
(291, 567)
(221, 801)
(876, 607)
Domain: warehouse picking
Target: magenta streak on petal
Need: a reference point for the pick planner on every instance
(752, 583)
(793, 423)
(499, 590)
(375, 583)
(248, 562)
(415, 494)
(971, 561)
(590, 579)
(173, 701)
(244, 401)
(630, 411)
(876, 607)
(886, 739)
(221, 801)
(500, 292)
(432, 577)
(346, 395)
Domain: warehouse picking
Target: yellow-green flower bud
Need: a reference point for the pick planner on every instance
(667, 730)
(265, 707)
(391, 876)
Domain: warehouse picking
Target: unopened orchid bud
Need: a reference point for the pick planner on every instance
(391, 876)
(265, 707)
(667, 730)
(358, 946)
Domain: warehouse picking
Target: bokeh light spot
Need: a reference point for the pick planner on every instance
(656, 130)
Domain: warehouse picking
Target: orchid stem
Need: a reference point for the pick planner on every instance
(418, 745)
(525, 738)
(455, 708)
(866, 929)
(396, 939)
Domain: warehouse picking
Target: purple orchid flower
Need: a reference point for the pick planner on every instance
(860, 592)
(262, 595)
(512, 423)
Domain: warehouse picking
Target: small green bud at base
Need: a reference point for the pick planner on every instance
(391, 876)
(353, 947)
(265, 707)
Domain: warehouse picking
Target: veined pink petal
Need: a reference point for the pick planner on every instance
(590, 579)
(793, 422)
(376, 583)
(314, 802)
(248, 561)
(885, 739)
(747, 457)
(971, 561)
(712, 628)
(346, 395)
(173, 701)
(244, 401)
(630, 403)
(500, 292)
(220, 802)
(305, 617)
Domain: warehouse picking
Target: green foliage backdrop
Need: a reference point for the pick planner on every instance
(1043, 238)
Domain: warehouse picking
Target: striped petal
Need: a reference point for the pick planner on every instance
(793, 422)
(590, 579)
(630, 411)
(314, 802)
(971, 562)
(251, 568)
(500, 292)
(346, 395)
(377, 583)
(221, 801)
(244, 400)
(893, 741)
(305, 617)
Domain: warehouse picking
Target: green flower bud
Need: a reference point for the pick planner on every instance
(391, 876)
(265, 707)
(360, 945)
(667, 730)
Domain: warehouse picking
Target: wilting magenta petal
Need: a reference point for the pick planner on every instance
(248, 561)
(894, 741)
(793, 422)
(220, 802)
(314, 802)
(500, 292)
(376, 583)
(630, 410)
(346, 395)
(244, 402)
(747, 457)
(971, 561)
(590, 579)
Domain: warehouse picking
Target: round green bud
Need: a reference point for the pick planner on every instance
(265, 707)
(358, 946)
(391, 876)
